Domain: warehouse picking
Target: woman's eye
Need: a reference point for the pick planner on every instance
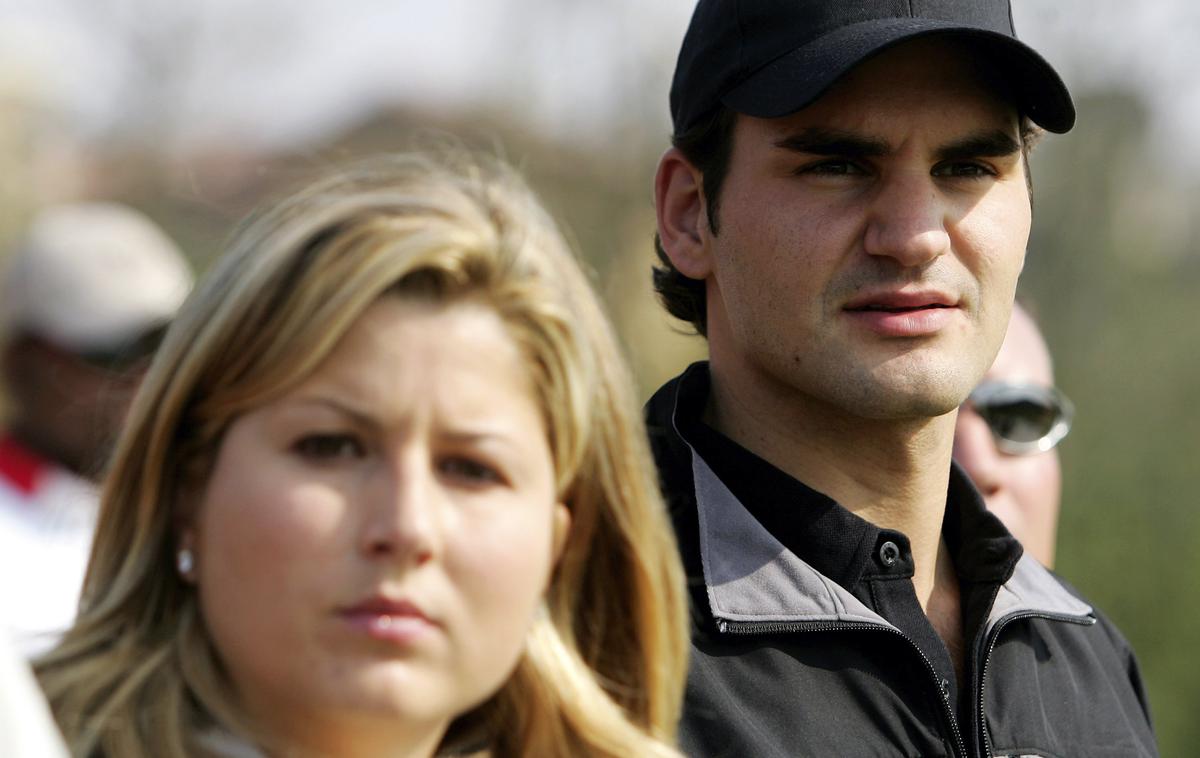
(469, 470)
(327, 447)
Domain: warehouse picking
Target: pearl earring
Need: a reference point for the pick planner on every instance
(185, 562)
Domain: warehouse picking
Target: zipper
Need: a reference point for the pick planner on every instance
(771, 627)
(992, 637)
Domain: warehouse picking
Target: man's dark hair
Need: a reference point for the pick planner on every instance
(709, 147)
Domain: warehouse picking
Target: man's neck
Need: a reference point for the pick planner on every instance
(891, 473)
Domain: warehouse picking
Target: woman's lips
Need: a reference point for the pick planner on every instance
(396, 621)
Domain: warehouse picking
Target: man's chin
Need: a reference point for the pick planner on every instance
(910, 398)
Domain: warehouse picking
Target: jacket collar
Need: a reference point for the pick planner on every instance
(751, 577)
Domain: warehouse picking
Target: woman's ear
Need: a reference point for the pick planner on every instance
(682, 214)
(184, 529)
(560, 530)
(185, 555)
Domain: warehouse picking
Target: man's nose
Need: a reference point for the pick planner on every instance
(907, 220)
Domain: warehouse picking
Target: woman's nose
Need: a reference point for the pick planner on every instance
(403, 517)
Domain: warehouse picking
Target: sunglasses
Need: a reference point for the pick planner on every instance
(1024, 418)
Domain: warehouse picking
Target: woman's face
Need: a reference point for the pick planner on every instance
(371, 547)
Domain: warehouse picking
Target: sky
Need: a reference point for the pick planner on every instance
(278, 73)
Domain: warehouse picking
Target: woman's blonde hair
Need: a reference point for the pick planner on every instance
(602, 671)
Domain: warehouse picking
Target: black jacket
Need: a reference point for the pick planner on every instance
(804, 643)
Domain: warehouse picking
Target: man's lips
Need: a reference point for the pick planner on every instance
(902, 301)
(899, 308)
(903, 314)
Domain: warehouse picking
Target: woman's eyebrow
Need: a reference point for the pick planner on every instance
(489, 436)
(330, 403)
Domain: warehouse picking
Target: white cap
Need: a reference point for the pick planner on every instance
(91, 277)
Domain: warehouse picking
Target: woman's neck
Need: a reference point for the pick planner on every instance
(353, 737)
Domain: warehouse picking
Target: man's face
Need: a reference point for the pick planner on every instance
(870, 243)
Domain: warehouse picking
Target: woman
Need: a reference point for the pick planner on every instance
(384, 491)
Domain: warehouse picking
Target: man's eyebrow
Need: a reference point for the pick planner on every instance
(994, 143)
(823, 141)
(990, 143)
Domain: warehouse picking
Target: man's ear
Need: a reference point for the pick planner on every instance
(682, 214)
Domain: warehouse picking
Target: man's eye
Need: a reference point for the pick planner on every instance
(327, 447)
(469, 470)
(832, 167)
(964, 169)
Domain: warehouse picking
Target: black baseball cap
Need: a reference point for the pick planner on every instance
(770, 58)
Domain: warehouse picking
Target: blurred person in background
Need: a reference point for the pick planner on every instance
(85, 295)
(844, 216)
(385, 491)
(1006, 435)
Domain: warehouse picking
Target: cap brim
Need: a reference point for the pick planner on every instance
(800, 76)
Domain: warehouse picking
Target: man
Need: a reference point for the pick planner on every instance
(1006, 437)
(86, 296)
(844, 216)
